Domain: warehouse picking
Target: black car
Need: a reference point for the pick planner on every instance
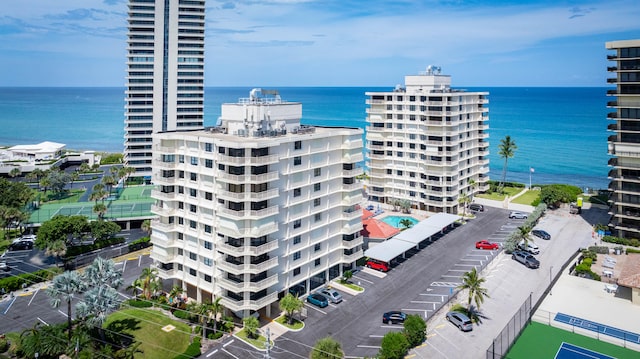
(541, 234)
(526, 258)
(22, 245)
(476, 207)
(394, 317)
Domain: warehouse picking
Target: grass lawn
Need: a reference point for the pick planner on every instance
(527, 198)
(511, 191)
(66, 197)
(296, 323)
(351, 285)
(536, 333)
(258, 343)
(145, 325)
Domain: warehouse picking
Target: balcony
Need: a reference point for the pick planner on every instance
(352, 187)
(232, 229)
(239, 268)
(165, 165)
(165, 196)
(612, 104)
(163, 227)
(352, 257)
(352, 173)
(247, 250)
(162, 211)
(248, 286)
(167, 273)
(238, 305)
(353, 243)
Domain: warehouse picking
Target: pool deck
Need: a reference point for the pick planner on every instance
(388, 211)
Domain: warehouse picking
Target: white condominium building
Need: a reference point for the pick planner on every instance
(165, 74)
(427, 143)
(257, 205)
(624, 142)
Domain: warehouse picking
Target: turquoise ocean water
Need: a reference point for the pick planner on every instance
(560, 132)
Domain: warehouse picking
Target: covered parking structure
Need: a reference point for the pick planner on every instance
(412, 237)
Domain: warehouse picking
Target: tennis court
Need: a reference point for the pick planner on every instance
(570, 351)
(597, 327)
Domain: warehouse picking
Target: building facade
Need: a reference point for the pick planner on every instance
(165, 74)
(427, 143)
(256, 206)
(624, 143)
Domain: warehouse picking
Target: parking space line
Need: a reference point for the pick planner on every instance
(362, 279)
(376, 336)
(226, 351)
(450, 276)
(456, 270)
(45, 323)
(309, 306)
(369, 346)
(471, 260)
(437, 295)
(10, 304)
(213, 352)
(465, 265)
(424, 302)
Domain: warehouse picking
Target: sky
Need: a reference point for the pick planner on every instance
(330, 42)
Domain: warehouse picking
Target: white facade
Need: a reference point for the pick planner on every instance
(260, 204)
(427, 143)
(165, 77)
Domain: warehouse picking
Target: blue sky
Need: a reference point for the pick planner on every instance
(330, 42)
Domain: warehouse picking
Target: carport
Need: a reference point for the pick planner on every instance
(412, 237)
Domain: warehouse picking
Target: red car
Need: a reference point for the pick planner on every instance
(485, 244)
(377, 265)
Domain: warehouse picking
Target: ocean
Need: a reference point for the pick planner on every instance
(560, 132)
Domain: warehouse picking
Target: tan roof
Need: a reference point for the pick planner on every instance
(630, 273)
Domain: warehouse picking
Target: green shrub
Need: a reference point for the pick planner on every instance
(182, 314)
(73, 251)
(216, 335)
(633, 242)
(415, 329)
(599, 249)
(632, 250)
(141, 243)
(4, 345)
(140, 303)
(17, 281)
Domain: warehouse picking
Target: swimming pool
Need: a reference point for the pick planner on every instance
(395, 220)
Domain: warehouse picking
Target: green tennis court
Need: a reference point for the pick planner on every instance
(536, 334)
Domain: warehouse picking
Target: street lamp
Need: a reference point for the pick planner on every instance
(550, 280)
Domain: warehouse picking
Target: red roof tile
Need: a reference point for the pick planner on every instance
(377, 229)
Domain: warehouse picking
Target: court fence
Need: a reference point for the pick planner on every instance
(114, 211)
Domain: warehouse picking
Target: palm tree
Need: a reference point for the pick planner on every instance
(472, 282)
(406, 223)
(290, 304)
(463, 200)
(135, 285)
(251, 325)
(74, 177)
(97, 304)
(102, 273)
(15, 172)
(65, 287)
(506, 150)
(327, 348)
(523, 234)
(109, 181)
(57, 248)
(129, 352)
(347, 275)
(100, 209)
(147, 276)
(216, 309)
(45, 183)
(472, 188)
(146, 226)
(174, 294)
(98, 193)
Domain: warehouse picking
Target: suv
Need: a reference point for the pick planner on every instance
(377, 265)
(21, 245)
(476, 207)
(460, 320)
(526, 258)
(517, 215)
(529, 247)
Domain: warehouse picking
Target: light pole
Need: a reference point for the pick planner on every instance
(550, 280)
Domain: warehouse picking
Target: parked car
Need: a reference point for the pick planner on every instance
(541, 234)
(526, 258)
(22, 245)
(333, 295)
(4, 267)
(485, 244)
(394, 317)
(460, 320)
(529, 247)
(517, 215)
(318, 299)
(377, 265)
(26, 237)
(476, 207)
(298, 290)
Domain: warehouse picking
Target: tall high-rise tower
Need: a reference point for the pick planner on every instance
(165, 78)
(624, 144)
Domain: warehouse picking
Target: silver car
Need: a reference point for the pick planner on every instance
(460, 320)
(517, 215)
(333, 295)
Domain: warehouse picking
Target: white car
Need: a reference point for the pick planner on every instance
(4, 267)
(333, 295)
(26, 237)
(517, 215)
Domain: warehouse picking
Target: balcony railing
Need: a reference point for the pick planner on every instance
(238, 305)
(248, 286)
(247, 250)
(247, 267)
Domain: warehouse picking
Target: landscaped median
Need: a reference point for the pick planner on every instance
(347, 287)
(295, 325)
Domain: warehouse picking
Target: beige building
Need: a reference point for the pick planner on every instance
(624, 143)
(256, 206)
(427, 143)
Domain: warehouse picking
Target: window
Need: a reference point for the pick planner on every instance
(317, 217)
(316, 187)
(193, 208)
(194, 161)
(297, 223)
(193, 224)
(181, 158)
(297, 255)
(192, 272)
(194, 176)
(297, 145)
(180, 236)
(193, 192)
(180, 251)
(207, 261)
(181, 221)
(181, 174)
(297, 239)
(193, 256)
(208, 245)
(208, 163)
(180, 205)
(317, 262)
(207, 229)
(208, 147)
(297, 161)
(316, 247)
(316, 202)
(296, 192)
(208, 196)
(389, 171)
(207, 278)
(296, 271)
(317, 172)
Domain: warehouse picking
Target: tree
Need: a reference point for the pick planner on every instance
(45, 340)
(35, 174)
(506, 149)
(98, 193)
(109, 182)
(472, 282)
(406, 223)
(14, 194)
(15, 172)
(63, 228)
(405, 204)
(74, 177)
(394, 346)
(463, 200)
(124, 173)
(102, 273)
(146, 226)
(100, 209)
(135, 285)
(327, 348)
(251, 325)
(290, 304)
(472, 188)
(56, 248)
(58, 180)
(147, 276)
(98, 302)
(415, 329)
(45, 183)
(523, 233)
(64, 288)
(217, 309)
(347, 275)
(129, 352)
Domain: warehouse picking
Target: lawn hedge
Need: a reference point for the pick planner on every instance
(16, 282)
(141, 243)
(73, 251)
(633, 242)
